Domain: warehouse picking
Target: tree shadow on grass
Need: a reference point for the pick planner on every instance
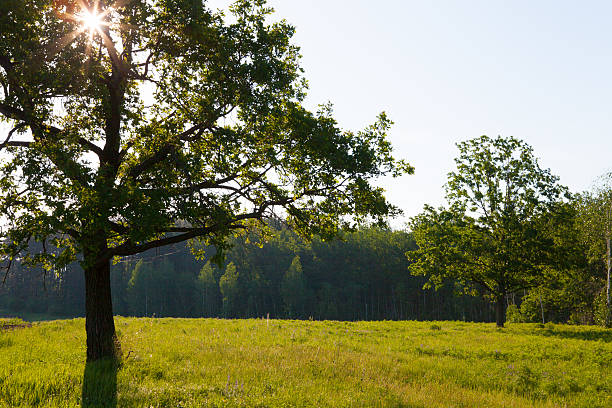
(593, 335)
(100, 384)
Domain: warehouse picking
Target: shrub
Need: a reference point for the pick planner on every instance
(513, 314)
(600, 311)
(531, 310)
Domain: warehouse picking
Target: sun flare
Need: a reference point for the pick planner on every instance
(91, 20)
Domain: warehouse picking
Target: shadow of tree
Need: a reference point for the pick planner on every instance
(593, 335)
(100, 384)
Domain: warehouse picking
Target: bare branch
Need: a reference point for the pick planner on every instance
(178, 229)
(15, 144)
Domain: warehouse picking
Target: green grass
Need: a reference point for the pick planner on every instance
(253, 363)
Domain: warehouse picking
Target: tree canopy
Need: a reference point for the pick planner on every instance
(596, 223)
(136, 124)
(499, 232)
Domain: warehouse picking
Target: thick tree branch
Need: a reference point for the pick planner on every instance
(187, 233)
(132, 249)
(188, 135)
(12, 113)
(145, 75)
(17, 114)
(15, 144)
(216, 184)
(162, 153)
(8, 142)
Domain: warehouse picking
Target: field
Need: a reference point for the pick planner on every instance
(279, 363)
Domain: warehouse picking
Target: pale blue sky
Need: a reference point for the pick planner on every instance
(451, 70)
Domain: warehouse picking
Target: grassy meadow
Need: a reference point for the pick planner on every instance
(280, 363)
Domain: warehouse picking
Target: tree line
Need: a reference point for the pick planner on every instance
(363, 276)
(511, 236)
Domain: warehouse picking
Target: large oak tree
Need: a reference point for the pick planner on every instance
(141, 123)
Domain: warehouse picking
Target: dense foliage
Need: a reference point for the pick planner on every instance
(501, 229)
(363, 277)
(596, 228)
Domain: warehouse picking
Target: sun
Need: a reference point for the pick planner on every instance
(91, 20)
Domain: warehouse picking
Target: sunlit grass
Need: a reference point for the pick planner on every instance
(255, 363)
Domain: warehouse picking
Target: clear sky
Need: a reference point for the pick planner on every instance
(451, 70)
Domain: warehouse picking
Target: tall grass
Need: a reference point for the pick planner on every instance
(253, 363)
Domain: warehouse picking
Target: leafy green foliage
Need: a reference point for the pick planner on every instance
(601, 310)
(293, 289)
(228, 284)
(209, 290)
(596, 227)
(572, 285)
(500, 230)
(596, 218)
(513, 314)
(166, 123)
(361, 277)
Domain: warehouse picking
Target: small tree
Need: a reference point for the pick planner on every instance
(293, 288)
(230, 289)
(140, 289)
(143, 123)
(209, 289)
(152, 290)
(498, 234)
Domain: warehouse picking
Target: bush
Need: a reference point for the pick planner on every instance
(600, 312)
(582, 316)
(531, 310)
(513, 314)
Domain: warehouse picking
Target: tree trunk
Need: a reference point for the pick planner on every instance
(500, 311)
(99, 324)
